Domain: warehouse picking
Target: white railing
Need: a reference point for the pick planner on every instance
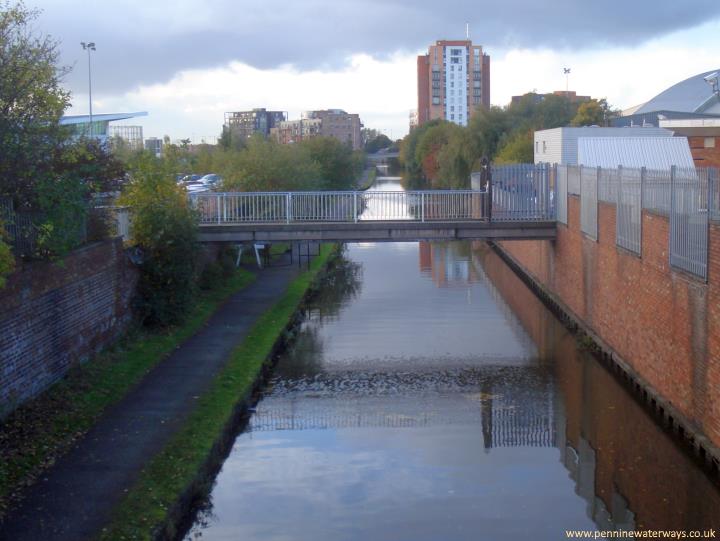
(359, 206)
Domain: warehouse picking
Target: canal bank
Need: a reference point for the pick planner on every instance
(77, 496)
(656, 325)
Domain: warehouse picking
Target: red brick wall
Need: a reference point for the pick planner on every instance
(664, 323)
(54, 315)
(705, 157)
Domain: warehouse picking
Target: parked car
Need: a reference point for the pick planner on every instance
(190, 178)
(196, 187)
(211, 180)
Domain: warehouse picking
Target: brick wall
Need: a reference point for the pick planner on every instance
(53, 316)
(704, 154)
(663, 322)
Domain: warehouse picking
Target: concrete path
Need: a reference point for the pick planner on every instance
(75, 498)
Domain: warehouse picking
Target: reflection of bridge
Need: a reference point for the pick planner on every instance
(366, 216)
(512, 406)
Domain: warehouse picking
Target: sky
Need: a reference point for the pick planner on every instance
(188, 62)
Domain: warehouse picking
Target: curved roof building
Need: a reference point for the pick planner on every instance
(694, 95)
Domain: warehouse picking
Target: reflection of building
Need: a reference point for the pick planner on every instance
(243, 124)
(453, 81)
(81, 126)
(445, 263)
(132, 135)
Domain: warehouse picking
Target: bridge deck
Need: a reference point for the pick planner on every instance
(374, 231)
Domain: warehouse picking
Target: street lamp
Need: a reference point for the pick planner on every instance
(89, 47)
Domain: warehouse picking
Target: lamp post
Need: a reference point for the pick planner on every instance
(566, 71)
(89, 47)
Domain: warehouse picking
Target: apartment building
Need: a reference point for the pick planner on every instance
(453, 81)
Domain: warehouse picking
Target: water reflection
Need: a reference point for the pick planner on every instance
(440, 400)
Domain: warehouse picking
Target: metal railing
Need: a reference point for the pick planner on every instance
(523, 192)
(628, 220)
(561, 184)
(689, 220)
(355, 206)
(589, 201)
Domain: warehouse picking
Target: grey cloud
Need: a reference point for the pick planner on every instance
(143, 42)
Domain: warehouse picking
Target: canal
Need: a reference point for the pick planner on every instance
(430, 396)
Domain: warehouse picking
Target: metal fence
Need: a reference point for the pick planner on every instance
(628, 220)
(561, 183)
(523, 192)
(689, 197)
(20, 228)
(589, 201)
(714, 194)
(689, 220)
(294, 207)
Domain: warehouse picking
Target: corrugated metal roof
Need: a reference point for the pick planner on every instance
(687, 96)
(650, 152)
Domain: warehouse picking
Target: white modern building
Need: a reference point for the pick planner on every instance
(560, 145)
(95, 126)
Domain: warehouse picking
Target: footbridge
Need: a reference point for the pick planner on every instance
(516, 206)
(372, 215)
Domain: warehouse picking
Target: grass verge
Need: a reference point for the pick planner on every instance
(34, 436)
(147, 507)
(370, 180)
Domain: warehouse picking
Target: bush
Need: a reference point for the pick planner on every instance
(164, 227)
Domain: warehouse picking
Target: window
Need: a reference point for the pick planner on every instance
(709, 142)
(544, 147)
(452, 107)
(452, 117)
(537, 147)
(436, 101)
(454, 60)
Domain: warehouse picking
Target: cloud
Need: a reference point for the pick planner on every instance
(140, 42)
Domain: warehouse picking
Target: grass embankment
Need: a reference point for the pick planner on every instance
(36, 434)
(147, 506)
(370, 180)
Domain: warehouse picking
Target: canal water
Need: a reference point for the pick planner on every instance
(430, 396)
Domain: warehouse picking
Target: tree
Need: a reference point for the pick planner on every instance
(164, 226)
(594, 112)
(518, 148)
(31, 104)
(590, 113)
(335, 159)
(378, 142)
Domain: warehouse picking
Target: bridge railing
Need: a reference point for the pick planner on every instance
(347, 206)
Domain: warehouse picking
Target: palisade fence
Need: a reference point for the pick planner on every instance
(20, 229)
(523, 192)
(689, 197)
